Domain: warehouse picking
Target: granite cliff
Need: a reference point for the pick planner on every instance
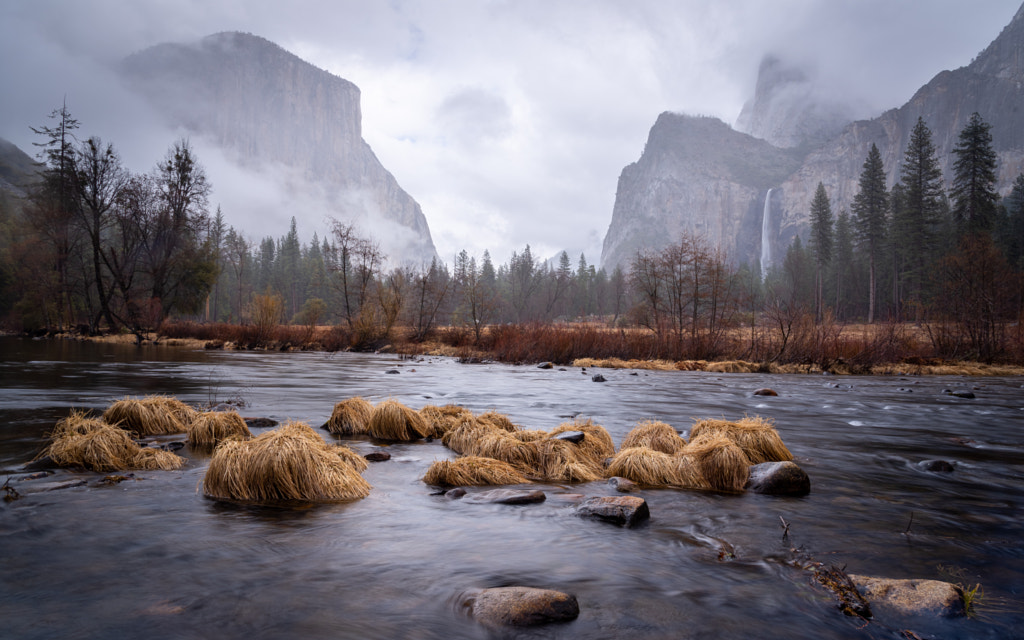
(269, 110)
(681, 181)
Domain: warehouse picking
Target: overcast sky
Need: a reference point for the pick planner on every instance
(508, 121)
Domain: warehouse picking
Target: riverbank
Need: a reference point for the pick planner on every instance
(893, 350)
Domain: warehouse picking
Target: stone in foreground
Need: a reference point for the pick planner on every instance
(622, 510)
(523, 607)
(912, 597)
(779, 479)
(506, 496)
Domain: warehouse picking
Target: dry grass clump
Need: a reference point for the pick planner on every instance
(291, 463)
(732, 366)
(212, 427)
(463, 437)
(619, 363)
(756, 436)
(655, 435)
(722, 463)
(80, 441)
(529, 435)
(357, 461)
(150, 416)
(501, 445)
(561, 461)
(597, 443)
(498, 420)
(444, 419)
(394, 421)
(645, 466)
(350, 417)
(472, 471)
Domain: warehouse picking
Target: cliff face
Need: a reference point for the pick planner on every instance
(268, 108)
(696, 175)
(731, 207)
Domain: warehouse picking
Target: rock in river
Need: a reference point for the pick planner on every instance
(622, 510)
(765, 392)
(522, 606)
(779, 479)
(914, 597)
(506, 496)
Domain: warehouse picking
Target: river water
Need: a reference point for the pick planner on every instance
(152, 558)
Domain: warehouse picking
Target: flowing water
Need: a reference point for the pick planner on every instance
(152, 558)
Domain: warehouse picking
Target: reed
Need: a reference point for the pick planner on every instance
(357, 461)
(503, 446)
(394, 421)
(596, 445)
(212, 427)
(529, 435)
(655, 435)
(150, 416)
(756, 436)
(499, 420)
(350, 417)
(291, 463)
(472, 471)
(149, 459)
(79, 441)
(645, 466)
(463, 436)
(444, 419)
(721, 462)
(559, 461)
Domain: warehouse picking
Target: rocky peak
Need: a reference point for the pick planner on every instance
(788, 111)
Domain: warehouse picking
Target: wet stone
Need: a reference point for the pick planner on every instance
(260, 423)
(599, 378)
(622, 510)
(506, 496)
(545, 365)
(392, 371)
(912, 597)
(575, 437)
(969, 395)
(765, 392)
(455, 494)
(623, 485)
(937, 466)
(779, 479)
(522, 607)
(377, 456)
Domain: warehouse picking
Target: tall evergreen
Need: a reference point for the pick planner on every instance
(842, 260)
(918, 219)
(821, 244)
(974, 178)
(869, 218)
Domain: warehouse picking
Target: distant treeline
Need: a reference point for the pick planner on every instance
(98, 248)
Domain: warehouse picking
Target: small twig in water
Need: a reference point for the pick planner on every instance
(785, 530)
(906, 531)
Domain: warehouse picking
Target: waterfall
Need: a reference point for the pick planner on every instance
(766, 245)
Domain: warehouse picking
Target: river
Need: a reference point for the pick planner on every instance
(152, 558)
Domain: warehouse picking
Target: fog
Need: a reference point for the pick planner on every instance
(509, 122)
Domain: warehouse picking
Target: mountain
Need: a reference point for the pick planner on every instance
(659, 195)
(17, 169)
(274, 113)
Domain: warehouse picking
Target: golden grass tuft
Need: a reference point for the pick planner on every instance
(529, 435)
(655, 435)
(502, 445)
(394, 421)
(472, 471)
(291, 463)
(597, 444)
(462, 437)
(619, 363)
(212, 427)
(732, 366)
(350, 417)
(560, 461)
(722, 463)
(756, 436)
(498, 420)
(444, 419)
(357, 461)
(79, 441)
(645, 466)
(150, 416)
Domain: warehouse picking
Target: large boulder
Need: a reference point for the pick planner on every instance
(522, 606)
(912, 597)
(778, 479)
(622, 510)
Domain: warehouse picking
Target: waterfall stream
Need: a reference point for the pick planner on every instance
(766, 246)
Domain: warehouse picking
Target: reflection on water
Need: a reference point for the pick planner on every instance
(152, 558)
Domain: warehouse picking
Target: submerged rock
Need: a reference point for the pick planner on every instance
(377, 456)
(260, 423)
(969, 395)
(506, 496)
(599, 378)
(779, 479)
(622, 510)
(765, 392)
(455, 494)
(915, 597)
(938, 466)
(545, 365)
(623, 485)
(522, 606)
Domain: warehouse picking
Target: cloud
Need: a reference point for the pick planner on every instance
(508, 121)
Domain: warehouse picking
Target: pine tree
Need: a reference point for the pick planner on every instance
(842, 260)
(869, 217)
(919, 217)
(974, 178)
(821, 244)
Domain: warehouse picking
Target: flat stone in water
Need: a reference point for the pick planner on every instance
(377, 456)
(938, 466)
(779, 479)
(522, 607)
(622, 510)
(455, 494)
(623, 485)
(765, 392)
(545, 365)
(969, 395)
(599, 378)
(260, 423)
(914, 597)
(506, 496)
